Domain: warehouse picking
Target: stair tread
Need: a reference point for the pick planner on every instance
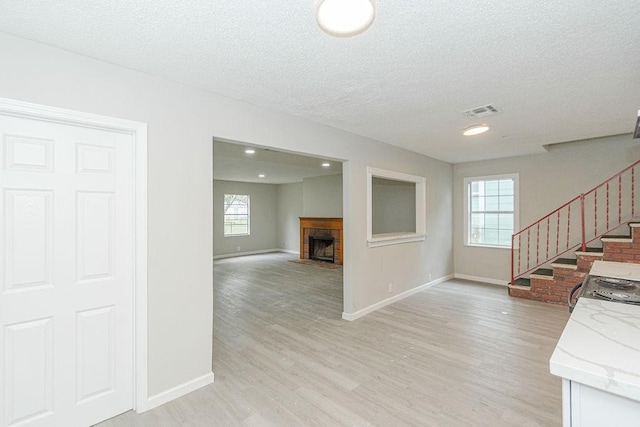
(543, 272)
(565, 261)
(590, 252)
(600, 249)
(616, 236)
(522, 282)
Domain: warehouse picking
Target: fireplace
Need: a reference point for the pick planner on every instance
(321, 239)
(322, 249)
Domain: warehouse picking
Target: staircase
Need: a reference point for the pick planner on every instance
(554, 284)
(541, 267)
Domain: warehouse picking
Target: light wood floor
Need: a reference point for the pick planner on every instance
(457, 354)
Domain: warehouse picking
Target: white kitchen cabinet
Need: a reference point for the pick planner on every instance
(584, 406)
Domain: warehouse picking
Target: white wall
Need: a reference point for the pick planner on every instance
(289, 210)
(181, 123)
(262, 220)
(322, 196)
(546, 182)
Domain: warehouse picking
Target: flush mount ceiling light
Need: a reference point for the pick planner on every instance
(475, 129)
(345, 18)
(250, 151)
(261, 175)
(326, 165)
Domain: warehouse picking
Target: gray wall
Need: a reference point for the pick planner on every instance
(275, 212)
(181, 124)
(393, 206)
(262, 204)
(407, 265)
(322, 196)
(289, 210)
(546, 182)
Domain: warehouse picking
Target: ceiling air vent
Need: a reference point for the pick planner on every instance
(483, 111)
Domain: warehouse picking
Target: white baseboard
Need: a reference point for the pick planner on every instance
(373, 307)
(481, 279)
(235, 254)
(288, 251)
(175, 392)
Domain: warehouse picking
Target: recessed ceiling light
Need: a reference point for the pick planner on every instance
(475, 129)
(250, 151)
(261, 175)
(345, 18)
(326, 165)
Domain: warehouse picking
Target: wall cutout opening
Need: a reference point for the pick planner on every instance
(396, 211)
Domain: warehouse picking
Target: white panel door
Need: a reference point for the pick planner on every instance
(66, 276)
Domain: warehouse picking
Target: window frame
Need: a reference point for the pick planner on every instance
(224, 215)
(467, 207)
(377, 240)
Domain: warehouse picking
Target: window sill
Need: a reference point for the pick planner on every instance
(487, 246)
(387, 239)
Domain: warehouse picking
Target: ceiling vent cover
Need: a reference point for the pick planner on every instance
(483, 111)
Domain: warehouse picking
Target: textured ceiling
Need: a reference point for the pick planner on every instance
(558, 70)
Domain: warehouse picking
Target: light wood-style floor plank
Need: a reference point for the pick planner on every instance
(457, 354)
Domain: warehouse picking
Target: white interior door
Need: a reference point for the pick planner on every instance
(66, 257)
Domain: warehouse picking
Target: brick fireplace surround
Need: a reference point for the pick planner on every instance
(321, 227)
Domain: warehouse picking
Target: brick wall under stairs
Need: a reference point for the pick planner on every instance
(553, 284)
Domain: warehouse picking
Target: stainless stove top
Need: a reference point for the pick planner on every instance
(611, 289)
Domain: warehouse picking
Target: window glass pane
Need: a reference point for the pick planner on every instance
(490, 236)
(506, 203)
(492, 203)
(240, 229)
(506, 187)
(477, 220)
(475, 203)
(506, 222)
(504, 237)
(492, 188)
(491, 220)
(477, 235)
(236, 227)
(237, 219)
(476, 187)
(240, 210)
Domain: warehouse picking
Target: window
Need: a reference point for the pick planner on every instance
(236, 215)
(491, 210)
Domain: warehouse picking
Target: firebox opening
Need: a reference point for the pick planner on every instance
(322, 249)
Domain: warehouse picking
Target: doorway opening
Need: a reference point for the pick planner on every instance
(282, 187)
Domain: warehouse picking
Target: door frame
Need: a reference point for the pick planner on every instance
(138, 131)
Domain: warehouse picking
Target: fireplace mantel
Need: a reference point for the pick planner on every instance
(333, 225)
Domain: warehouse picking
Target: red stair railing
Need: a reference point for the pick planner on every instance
(576, 223)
